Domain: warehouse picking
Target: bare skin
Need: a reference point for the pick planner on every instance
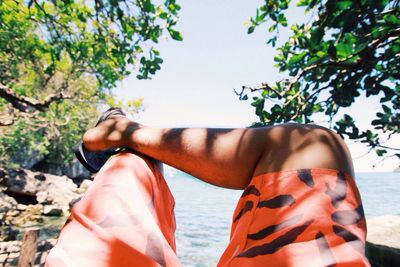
(227, 157)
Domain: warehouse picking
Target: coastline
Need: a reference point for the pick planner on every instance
(383, 240)
(382, 247)
(379, 192)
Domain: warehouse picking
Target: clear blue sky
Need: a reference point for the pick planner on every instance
(195, 85)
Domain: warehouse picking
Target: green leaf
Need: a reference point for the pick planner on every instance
(250, 29)
(258, 102)
(148, 6)
(272, 28)
(303, 3)
(260, 16)
(343, 4)
(346, 46)
(387, 109)
(321, 54)
(282, 20)
(380, 152)
(163, 15)
(316, 36)
(391, 19)
(297, 58)
(175, 35)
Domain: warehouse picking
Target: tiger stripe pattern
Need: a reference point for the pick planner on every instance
(308, 217)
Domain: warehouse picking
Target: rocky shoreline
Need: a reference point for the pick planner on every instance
(34, 200)
(10, 251)
(383, 241)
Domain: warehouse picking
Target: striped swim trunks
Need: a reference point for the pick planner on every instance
(290, 218)
(298, 218)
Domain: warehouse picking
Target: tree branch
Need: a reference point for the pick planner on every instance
(342, 64)
(26, 104)
(263, 86)
(388, 147)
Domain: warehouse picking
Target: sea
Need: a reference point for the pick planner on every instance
(204, 212)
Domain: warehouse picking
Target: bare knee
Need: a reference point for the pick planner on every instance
(298, 146)
(323, 148)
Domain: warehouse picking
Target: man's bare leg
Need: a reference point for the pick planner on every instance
(227, 157)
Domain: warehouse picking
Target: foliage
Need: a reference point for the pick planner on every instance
(53, 132)
(347, 49)
(59, 61)
(102, 37)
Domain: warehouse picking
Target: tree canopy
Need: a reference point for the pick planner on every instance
(345, 50)
(100, 38)
(59, 61)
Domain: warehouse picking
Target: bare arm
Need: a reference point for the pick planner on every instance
(227, 157)
(223, 157)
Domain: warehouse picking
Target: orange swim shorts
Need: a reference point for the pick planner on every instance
(298, 218)
(290, 218)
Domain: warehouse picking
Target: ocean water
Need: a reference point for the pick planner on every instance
(204, 212)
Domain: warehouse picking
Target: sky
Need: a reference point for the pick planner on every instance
(194, 87)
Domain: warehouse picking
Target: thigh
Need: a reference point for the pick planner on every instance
(124, 219)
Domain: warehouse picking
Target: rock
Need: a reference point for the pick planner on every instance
(40, 177)
(35, 209)
(383, 241)
(384, 230)
(51, 210)
(75, 170)
(8, 233)
(46, 167)
(43, 187)
(6, 202)
(80, 191)
(397, 169)
(40, 258)
(21, 207)
(13, 213)
(32, 215)
(3, 258)
(72, 203)
(46, 245)
(26, 157)
(10, 247)
(44, 198)
(9, 252)
(86, 184)
(12, 259)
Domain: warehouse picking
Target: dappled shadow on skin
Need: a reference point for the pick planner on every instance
(203, 150)
(299, 143)
(223, 157)
(286, 147)
(229, 157)
(212, 135)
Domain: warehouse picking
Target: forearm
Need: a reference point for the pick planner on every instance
(227, 157)
(223, 157)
